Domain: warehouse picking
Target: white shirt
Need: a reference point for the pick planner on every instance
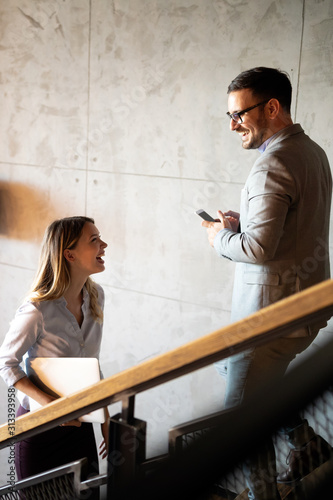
(48, 329)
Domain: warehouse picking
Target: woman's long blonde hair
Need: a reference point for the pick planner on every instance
(53, 275)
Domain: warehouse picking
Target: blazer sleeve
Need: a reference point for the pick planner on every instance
(268, 194)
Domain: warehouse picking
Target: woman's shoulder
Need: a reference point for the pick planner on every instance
(29, 307)
(28, 313)
(37, 308)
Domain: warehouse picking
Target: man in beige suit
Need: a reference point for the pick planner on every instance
(280, 243)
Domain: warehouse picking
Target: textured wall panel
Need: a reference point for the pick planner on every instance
(116, 109)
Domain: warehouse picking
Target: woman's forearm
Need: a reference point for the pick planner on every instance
(30, 389)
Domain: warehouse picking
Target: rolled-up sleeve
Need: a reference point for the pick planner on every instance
(22, 334)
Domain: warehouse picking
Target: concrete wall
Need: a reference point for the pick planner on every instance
(116, 109)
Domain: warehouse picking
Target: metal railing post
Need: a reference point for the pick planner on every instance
(127, 449)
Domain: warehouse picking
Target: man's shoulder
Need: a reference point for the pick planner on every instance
(286, 136)
(293, 142)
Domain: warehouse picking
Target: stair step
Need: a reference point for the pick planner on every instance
(294, 491)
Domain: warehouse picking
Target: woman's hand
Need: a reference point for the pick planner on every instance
(73, 423)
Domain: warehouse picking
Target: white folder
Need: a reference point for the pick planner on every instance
(64, 376)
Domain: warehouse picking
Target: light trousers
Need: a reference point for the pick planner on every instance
(245, 373)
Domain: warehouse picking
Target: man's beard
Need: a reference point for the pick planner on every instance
(259, 137)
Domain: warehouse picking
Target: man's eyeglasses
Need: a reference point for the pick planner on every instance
(237, 117)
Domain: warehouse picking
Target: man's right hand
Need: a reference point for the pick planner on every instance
(213, 228)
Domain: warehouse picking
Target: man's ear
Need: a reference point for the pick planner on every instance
(274, 108)
(68, 255)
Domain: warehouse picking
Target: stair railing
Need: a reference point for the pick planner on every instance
(313, 305)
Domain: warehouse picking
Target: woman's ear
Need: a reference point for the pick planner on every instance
(68, 255)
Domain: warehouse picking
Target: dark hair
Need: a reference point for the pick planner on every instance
(265, 83)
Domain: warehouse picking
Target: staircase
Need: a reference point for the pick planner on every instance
(160, 477)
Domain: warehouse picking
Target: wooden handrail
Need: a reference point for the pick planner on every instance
(310, 305)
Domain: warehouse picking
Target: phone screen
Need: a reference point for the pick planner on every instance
(204, 215)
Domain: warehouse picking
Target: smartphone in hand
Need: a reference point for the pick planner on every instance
(204, 215)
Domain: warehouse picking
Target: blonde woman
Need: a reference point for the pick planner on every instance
(62, 317)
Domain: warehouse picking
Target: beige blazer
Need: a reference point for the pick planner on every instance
(282, 243)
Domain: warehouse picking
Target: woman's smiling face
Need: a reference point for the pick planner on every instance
(89, 250)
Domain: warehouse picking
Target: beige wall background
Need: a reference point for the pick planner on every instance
(116, 109)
